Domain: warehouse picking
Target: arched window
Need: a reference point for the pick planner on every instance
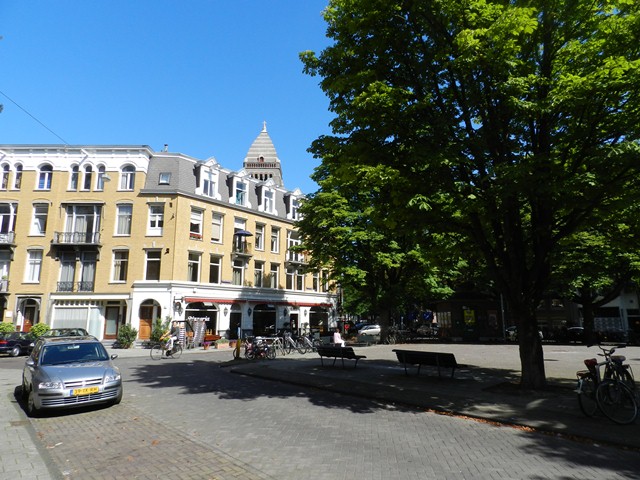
(88, 173)
(4, 181)
(17, 181)
(73, 178)
(127, 177)
(45, 174)
(100, 180)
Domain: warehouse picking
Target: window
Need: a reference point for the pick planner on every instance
(214, 269)
(325, 281)
(195, 226)
(101, 178)
(73, 178)
(17, 182)
(124, 217)
(216, 228)
(295, 205)
(316, 282)
(83, 223)
(39, 225)
(193, 267)
(67, 271)
(120, 265)
(275, 240)
(292, 241)
(268, 201)
(127, 177)
(88, 262)
(258, 274)
(259, 237)
(153, 265)
(238, 272)
(88, 173)
(44, 177)
(5, 263)
(295, 278)
(164, 178)
(209, 185)
(156, 219)
(241, 193)
(8, 212)
(34, 266)
(4, 181)
(273, 275)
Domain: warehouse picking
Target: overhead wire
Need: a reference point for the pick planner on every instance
(32, 116)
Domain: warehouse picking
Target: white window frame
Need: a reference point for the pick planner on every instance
(124, 219)
(87, 176)
(217, 225)
(258, 273)
(268, 201)
(215, 260)
(241, 193)
(100, 178)
(237, 276)
(209, 181)
(127, 178)
(147, 262)
(259, 237)
(195, 224)
(4, 181)
(74, 177)
(274, 241)
(40, 216)
(194, 261)
(155, 223)
(45, 177)
(120, 266)
(274, 273)
(34, 266)
(17, 179)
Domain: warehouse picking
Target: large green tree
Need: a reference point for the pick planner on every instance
(509, 122)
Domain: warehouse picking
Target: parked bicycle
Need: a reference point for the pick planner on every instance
(309, 343)
(290, 344)
(613, 392)
(160, 350)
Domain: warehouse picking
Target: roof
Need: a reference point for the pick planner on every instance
(262, 146)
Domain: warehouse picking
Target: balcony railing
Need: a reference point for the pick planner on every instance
(76, 238)
(243, 248)
(7, 238)
(75, 286)
(295, 257)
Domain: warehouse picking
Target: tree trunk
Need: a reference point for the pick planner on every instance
(531, 355)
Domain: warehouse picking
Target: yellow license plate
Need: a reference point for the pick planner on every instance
(85, 391)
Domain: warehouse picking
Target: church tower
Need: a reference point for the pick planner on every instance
(262, 162)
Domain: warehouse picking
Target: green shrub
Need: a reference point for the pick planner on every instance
(39, 329)
(126, 336)
(158, 329)
(6, 327)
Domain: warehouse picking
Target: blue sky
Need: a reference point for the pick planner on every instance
(198, 75)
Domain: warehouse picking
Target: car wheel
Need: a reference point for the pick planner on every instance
(15, 351)
(32, 410)
(23, 390)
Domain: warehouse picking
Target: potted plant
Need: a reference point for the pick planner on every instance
(222, 343)
(126, 336)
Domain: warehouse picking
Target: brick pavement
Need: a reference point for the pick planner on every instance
(455, 448)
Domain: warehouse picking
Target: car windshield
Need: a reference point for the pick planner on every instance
(73, 353)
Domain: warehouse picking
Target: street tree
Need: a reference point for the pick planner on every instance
(509, 122)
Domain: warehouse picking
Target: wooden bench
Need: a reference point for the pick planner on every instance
(433, 359)
(335, 352)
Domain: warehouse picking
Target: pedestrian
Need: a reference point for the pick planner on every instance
(337, 338)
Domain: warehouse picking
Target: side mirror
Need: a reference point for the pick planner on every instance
(114, 356)
(29, 362)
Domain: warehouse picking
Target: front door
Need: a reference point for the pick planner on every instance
(146, 322)
(111, 322)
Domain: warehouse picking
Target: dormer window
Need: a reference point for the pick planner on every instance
(241, 193)
(209, 183)
(164, 178)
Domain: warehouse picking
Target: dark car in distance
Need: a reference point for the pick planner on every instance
(16, 343)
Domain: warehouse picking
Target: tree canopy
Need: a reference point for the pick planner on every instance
(509, 122)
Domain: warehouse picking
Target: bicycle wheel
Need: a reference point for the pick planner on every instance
(622, 374)
(156, 352)
(271, 353)
(617, 402)
(587, 396)
(177, 351)
(287, 347)
(301, 347)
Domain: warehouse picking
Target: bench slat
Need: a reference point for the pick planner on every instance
(434, 359)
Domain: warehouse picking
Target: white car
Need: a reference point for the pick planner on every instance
(369, 330)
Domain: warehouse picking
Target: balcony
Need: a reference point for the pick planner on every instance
(295, 258)
(7, 238)
(72, 287)
(76, 238)
(242, 249)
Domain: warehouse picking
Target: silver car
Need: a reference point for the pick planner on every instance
(64, 372)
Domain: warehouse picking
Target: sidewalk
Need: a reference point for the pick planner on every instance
(477, 391)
